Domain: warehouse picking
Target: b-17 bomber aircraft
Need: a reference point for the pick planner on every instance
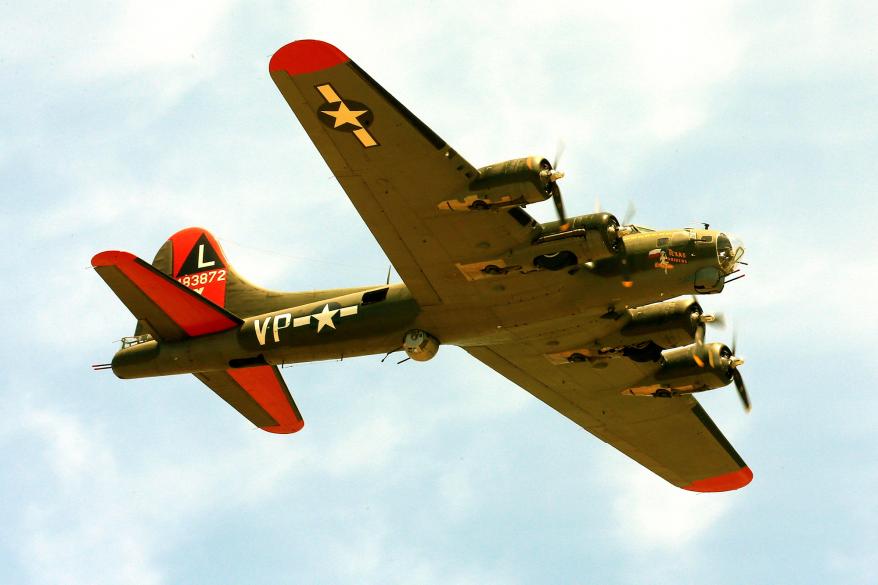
(595, 318)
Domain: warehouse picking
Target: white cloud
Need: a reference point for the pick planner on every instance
(854, 567)
(70, 451)
(161, 33)
(85, 533)
(825, 288)
(652, 515)
(371, 554)
(457, 488)
(816, 41)
(677, 54)
(366, 446)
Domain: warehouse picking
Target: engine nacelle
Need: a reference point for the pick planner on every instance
(420, 345)
(685, 370)
(514, 182)
(668, 324)
(591, 237)
(586, 238)
(649, 330)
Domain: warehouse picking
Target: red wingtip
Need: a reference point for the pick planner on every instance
(305, 57)
(111, 258)
(286, 429)
(722, 483)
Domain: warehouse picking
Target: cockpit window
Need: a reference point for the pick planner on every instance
(663, 241)
(728, 253)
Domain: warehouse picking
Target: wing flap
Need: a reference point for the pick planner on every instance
(171, 310)
(259, 394)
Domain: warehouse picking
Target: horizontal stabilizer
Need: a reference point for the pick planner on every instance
(260, 394)
(171, 310)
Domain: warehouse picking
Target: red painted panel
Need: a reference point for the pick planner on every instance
(305, 57)
(263, 385)
(210, 280)
(193, 314)
(722, 483)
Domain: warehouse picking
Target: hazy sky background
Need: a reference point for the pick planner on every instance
(122, 123)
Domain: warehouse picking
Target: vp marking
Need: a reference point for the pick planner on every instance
(323, 318)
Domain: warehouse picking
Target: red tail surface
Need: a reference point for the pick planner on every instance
(170, 310)
(197, 262)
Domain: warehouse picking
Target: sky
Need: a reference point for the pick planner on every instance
(124, 122)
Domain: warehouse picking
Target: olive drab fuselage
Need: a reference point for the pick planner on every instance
(660, 264)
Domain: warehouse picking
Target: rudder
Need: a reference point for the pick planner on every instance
(193, 258)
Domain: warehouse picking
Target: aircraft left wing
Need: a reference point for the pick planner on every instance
(673, 437)
(260, 394)
(396, 171)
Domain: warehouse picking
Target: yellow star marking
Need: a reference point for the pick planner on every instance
(324, 318)
(343, 115)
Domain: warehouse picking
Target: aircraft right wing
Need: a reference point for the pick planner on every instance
(673, 437)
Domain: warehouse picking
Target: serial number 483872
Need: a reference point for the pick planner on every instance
(202, 278)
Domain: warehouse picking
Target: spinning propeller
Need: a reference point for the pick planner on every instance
(727, 356)
(734, 362)
(550, 174)
(702, 319)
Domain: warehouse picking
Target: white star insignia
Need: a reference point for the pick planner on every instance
(324, 318)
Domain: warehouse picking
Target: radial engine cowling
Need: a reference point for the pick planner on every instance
(514, 182)
(420, 345)
(685, 370)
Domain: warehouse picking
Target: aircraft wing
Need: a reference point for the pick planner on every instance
(260, 394)
(396, 171)
(675, 438)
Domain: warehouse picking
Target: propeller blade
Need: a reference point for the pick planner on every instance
(559, 207)
(629, 213)
(559, 150)
(700, 330)
(742, 389)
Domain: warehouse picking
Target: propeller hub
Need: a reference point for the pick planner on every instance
(551, 175)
